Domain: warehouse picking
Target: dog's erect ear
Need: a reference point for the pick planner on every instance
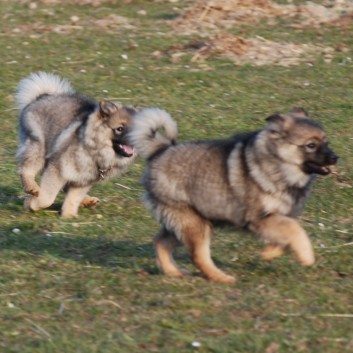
(300, 113)
(281, 120)
(279, 124)
(107, 108)
(275, 118)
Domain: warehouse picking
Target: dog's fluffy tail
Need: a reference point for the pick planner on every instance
(36, 84)
(146, 133)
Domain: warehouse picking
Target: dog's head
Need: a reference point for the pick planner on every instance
(299, 140)
(118, 118)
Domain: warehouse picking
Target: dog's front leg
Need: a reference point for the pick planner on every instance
(73, 199)
(282, 232)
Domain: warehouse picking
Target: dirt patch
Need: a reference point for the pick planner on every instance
(211, 19)
(218, 14)
(255, 51)
(204, 16)
(94, 3)
(111, 23)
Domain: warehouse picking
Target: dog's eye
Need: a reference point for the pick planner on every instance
(311, 145)
(119, 129)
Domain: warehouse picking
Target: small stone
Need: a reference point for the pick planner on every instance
(196, 344)
(74, 19)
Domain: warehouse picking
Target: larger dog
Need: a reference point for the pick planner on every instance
(258, 180)
(74, 141)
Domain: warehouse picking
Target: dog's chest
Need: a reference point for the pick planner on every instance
(282, 203)
(286, 203)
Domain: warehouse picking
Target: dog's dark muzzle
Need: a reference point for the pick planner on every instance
(122, 148)
(324, 158)
(332, 158)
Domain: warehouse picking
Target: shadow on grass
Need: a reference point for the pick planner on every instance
(98, 250)
(37, 237)
(9, 198)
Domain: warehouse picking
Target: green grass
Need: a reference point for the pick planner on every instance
(91, 284)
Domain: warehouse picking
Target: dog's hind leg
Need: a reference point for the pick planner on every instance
(285, 231)
(164, 243)
(74, 198)
(50, 185)
(195, 232)
(30, 161)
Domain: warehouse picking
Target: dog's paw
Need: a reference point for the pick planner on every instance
(170, 269)
(305, 254)
(32, 191)
(68, 214)
(90, 202)
(177, 272)
(222, 278)
(28, 203)
(307, 260)
(271, 251)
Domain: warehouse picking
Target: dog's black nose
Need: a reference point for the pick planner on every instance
(333, 158)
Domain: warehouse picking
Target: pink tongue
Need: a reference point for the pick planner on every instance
(127, 149)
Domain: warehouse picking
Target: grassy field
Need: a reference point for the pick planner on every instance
(91, 284)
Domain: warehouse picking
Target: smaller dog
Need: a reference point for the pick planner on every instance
(74, 141)
(258, 180)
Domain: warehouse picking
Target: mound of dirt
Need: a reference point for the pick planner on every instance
(94, 3)
(214, 15)
(259, 51)
(254, 51)
(217, 14)
(211, 19)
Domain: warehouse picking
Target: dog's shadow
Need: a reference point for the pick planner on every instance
(100, 250)
(119, 254)
(10, 199)
(27, 237)
(30, 238)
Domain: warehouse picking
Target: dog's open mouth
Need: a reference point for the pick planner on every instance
(312, 167)
(123, 150)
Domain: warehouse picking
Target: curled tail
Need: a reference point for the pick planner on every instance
(146, 135)
(36, 84)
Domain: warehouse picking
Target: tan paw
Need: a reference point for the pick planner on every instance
(305, 254)
(222, 278)
(90, 202)
(68, 214)
(271, 251)
(34, 192)
(27, 203)
(308, 259)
